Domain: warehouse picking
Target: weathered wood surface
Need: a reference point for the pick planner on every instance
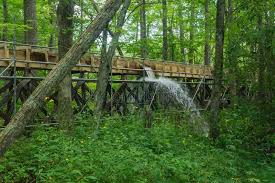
(46, 59)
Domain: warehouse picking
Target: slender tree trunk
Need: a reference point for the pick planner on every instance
(30, 20)
(104, 44)
(182, 45)
(50, 84)
(164, 31)
(231, 54)
(207, 34)
(65, 12)
(143, 36)
(218, 70)
(171, 40)
(136, 37)
(106, 62)
(261, 61)
(103, 77)
(5, 21)
(191, 34)
(52, 40)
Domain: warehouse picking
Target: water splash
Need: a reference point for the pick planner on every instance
(179, 92)
(150, 73)
(181, 95)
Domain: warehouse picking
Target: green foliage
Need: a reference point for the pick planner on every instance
(251, 131)
(121, 150)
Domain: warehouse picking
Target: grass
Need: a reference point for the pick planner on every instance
(122, 150)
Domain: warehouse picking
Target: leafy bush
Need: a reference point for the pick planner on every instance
(247, 127)
(121, 150)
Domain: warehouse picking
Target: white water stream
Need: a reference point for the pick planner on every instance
(181, 94)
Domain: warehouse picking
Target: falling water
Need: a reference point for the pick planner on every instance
(150, 73)
(181, 94)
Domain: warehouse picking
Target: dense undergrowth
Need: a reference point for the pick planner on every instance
(122, 150)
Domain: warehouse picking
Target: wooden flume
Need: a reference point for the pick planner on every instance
(42, 58)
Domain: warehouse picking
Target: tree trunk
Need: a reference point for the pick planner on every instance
(261, 61)
(50, 84)
(231, 54)
(136, 37)
(218, 70)
(182, 45)
(30, 20)
(103, 77)
(207, 35)
(164, 31)
(143, 36)
(5, 21)
(52, 40)
(191, 35)
(65, 12)
(171, 40)
(106, 62)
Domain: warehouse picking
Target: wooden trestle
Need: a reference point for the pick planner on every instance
(29, 58)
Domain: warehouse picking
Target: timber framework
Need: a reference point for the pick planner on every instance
(19, 63)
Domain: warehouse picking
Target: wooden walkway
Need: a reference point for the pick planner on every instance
(39, 58)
